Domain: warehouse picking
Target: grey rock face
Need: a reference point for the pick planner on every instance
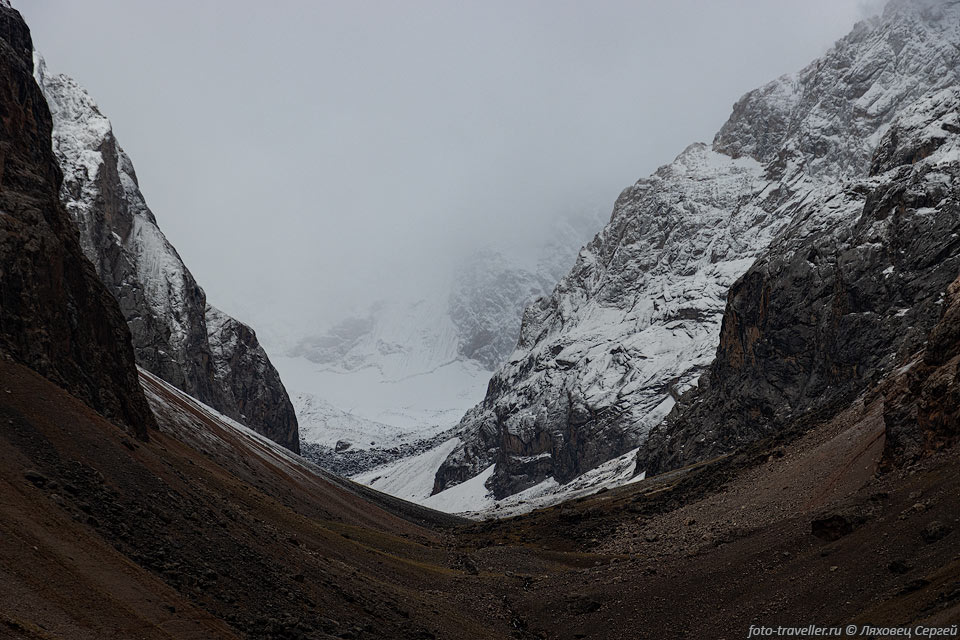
(598, 360)
(848, 292)
(921, 405)
(166, 310)
(830, 116)
(631, 328)
(243, 371)
(55, 315)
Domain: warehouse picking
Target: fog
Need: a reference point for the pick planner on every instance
(306, 158)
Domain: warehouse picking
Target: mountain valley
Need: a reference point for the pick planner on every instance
(738, 409)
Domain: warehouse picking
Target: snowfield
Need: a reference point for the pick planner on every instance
(413, 479)
(420, 403)
(410, 478)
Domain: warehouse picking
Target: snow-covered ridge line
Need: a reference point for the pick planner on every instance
(838, 301)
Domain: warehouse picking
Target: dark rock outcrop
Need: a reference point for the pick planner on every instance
(922, 404)
(55, 315)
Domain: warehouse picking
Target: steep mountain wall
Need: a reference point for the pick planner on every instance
(220, 363)
(55, 315)
(631, 328)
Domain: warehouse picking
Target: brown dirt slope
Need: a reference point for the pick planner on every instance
(796, 534)
(207, 531)
(102, 536)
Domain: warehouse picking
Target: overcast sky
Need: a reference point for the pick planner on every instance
(305, 157)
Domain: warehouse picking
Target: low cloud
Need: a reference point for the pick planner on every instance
(307, 158)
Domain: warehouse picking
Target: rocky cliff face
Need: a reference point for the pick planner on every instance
(632, 327)
(922, 404)
(252, 385)
(848, 292)
(165, 308)
(55, 315)
(830, 116)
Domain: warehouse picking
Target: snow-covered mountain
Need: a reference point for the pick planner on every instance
(177, 335)
(387, 383)
(602, 360)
